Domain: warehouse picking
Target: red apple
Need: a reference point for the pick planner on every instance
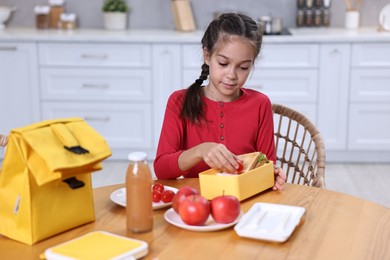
(240, 166)
(182, 193)
(194, 210)
(225, 209)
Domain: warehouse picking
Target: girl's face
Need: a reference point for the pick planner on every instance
(229, 68)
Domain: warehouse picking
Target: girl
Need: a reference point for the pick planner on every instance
(207, 126)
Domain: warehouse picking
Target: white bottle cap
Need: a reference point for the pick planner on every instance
(56, 2)
(42, 9)
(68, 17)
(137, 156)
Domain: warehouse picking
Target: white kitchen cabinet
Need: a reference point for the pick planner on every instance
(333, 95)
(96, 84)
(369, 127)
(370, 85)
(19, 94)
(96, 55)
(166, 79)
(369, 122)
(192, 60)
(298, 56)
(112, 79)
(109, 85)
(288, 74)
(125, 126)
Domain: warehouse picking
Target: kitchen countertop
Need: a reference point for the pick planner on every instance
(309, 35)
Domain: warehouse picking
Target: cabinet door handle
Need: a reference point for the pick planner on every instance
(94, 56)
(99, 86)
(8, 48)
(100, 119)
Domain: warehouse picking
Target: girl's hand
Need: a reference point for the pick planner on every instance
(280, 178)
(217, 156)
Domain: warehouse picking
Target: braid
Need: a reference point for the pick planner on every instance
(193, 100)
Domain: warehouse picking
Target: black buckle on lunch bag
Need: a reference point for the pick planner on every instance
(74, 183)
(76, 149)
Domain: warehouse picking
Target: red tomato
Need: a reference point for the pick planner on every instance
(156, 196)
(167, 196)
(159, 187)
(240, 167)
(181, 195)
(225, 209)
(194, 210)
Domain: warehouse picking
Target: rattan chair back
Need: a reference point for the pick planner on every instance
(300, 150)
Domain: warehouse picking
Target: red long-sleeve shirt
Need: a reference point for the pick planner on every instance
(243, 126)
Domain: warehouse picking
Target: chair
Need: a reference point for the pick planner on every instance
(299, 147)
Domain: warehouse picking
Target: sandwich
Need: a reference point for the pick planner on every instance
(252, 160)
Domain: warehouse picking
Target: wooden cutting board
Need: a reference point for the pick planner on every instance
(182, 13)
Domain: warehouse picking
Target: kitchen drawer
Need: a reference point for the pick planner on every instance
(285, 85)
(371, 55)
(369, 127)
(95, 84)
(192, 56)
(120, 55)
(271, 56)
(288, 56)
(281, 85)
(122, 125)
(370, 85)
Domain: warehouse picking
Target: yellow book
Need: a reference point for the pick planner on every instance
(98, 245)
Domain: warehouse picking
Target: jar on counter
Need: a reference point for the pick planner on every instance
(309, 4)
(326, 17)
(300, 3)
(318, 3)
(68, 21)
(317, 20)
(42, 16)
(56, 9)
(300, 22)
(309, 17)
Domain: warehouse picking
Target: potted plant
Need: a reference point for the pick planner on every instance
(115, 14)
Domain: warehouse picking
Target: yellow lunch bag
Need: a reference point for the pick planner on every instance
(45, 182)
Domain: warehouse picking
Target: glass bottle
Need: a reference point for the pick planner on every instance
(68, 21)
(309, 17)
(326, 17)
(300, 18)
(139, 209)
(317, 17)
(42, 16)
(309, 4)
(318, 3)
(56, 9)
(300, 4)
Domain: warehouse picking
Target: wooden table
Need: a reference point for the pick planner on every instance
(335, 226)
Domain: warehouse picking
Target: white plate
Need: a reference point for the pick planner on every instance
(384, 17)
(266, 221)
(119, 197)
(173, 218)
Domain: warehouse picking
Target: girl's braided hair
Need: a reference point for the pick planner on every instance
(226, 25)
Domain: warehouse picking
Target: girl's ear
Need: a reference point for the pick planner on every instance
(206, 56)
